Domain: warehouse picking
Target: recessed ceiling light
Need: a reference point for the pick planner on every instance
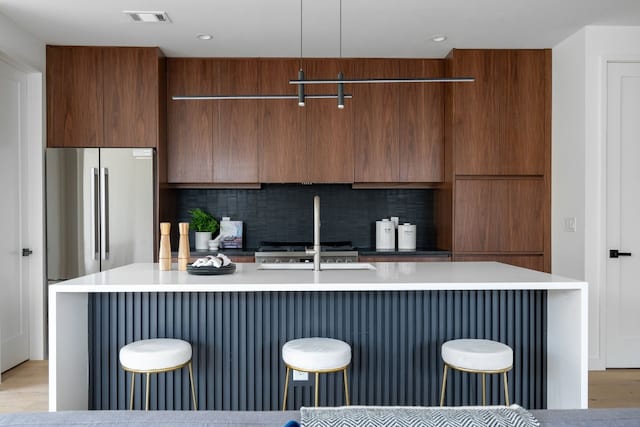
(147, 16)
(204, 36)
(438, 38)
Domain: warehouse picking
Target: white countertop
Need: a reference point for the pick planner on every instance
(146, 277)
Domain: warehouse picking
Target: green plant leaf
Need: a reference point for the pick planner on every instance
(202, 221)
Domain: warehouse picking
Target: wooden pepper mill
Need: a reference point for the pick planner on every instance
(183, 246)
(164, 257)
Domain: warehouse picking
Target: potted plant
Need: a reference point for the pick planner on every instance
(204, 225)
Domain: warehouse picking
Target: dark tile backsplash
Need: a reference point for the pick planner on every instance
(285, 211)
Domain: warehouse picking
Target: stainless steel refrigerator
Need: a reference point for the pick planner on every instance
(99, 209)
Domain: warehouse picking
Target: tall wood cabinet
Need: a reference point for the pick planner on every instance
(495, 203)
(103, 96)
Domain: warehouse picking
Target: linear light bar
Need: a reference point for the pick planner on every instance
(239, 97)
(404, 80)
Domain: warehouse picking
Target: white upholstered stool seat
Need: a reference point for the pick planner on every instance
(477, 356)
(317, 355)
(156, 355)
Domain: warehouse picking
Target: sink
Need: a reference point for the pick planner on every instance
(323, 266)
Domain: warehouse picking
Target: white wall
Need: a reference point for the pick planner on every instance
(28, 54)
(579, 149)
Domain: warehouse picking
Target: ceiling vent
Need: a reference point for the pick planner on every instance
(148, 16)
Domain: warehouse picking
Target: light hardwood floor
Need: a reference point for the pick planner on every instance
(25, 388)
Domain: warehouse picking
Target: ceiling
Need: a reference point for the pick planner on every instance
(271, 28)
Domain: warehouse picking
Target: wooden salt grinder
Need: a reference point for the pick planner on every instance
(164, 257)
(183, 246)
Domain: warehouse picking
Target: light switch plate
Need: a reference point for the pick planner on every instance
(570, 224)
(300, 376)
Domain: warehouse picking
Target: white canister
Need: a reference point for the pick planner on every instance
(407, 237)
(385, 235)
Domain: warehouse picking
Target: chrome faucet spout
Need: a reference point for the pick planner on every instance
(316, 233)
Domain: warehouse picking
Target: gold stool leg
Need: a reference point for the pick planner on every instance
(506, 389)
(444, 385)
(484, 398)
(286, 388)
(317, 376)
(133, 381)
(193, 389)
(346, 387)
(147, 406)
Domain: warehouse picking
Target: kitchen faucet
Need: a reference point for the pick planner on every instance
(316, 234)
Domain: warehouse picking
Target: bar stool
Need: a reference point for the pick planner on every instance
(154, 356)
(477, 356)
(316, 355)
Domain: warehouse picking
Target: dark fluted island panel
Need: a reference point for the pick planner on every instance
(395, 339)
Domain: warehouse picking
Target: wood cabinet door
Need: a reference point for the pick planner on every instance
(130, 96)
(421, 122)
(235, 139)
(329, 129)
(190, 123)
(499, 215)
(500, 124)
(375, 112)
(282, 143)
(74, 97)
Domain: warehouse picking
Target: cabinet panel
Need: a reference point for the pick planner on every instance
(375, 110)
(421, 122)
(190, 123)
(499, 215)
(282, 142)
(235, 144)
(402, 258)
(329, 130)
(533, 262)
(130, 97)
(499, 120)
(74, 97)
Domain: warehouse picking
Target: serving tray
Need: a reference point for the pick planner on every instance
(210, 270)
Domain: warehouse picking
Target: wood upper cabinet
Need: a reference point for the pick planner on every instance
(74, 96)
(282, 133)
(131, 101)
(421, 122)
(375, 120)
(190, 124)
(235, 144)
(500, 215)
(329, 129)
(102, 97)
(501, 122)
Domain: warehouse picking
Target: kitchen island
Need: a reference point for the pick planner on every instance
(395, 317)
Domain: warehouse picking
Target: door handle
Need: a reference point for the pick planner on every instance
(104, 212)
(26, 251)
(95, 207)
(615, 253)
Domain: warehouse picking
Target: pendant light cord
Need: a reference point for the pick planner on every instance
(301, 34)
(340, 29)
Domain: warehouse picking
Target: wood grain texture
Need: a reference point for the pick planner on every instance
(375, 109)
(533, 262)
(130, 97)
(190, 123)
(499, 215)
(235, 139)
(498, 121)
(74, 96)
(421, 122)
(281, 130)
(329, 130)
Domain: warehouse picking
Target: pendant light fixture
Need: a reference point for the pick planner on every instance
(340, 75)
(301, 72)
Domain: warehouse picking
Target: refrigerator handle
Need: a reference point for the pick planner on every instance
(95, 207)
(104, 212)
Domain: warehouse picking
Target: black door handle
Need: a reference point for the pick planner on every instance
(614, 253)
(26, 252)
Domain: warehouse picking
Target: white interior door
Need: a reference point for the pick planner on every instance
(623, 215)
(14, 308)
